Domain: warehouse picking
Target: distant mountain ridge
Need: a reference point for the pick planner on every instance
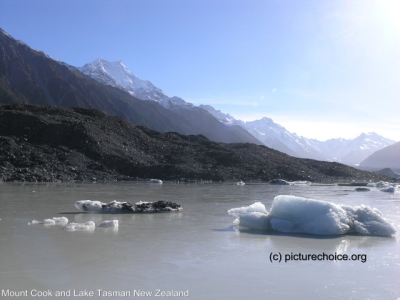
(28, 76)
(388, 157)
(31, 77)
(118, 75)
(269, 133)
(347, 151)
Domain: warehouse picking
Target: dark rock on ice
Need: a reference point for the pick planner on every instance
(126, 207)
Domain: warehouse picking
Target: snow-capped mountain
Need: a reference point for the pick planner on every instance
(273, 135)
(356, 150)
(196, 120)
(118, 75)
(265, 130)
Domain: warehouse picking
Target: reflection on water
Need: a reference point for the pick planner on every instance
(197, 249)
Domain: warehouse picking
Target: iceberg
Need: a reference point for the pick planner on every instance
(390, 189)
(126, 207)
(254, 216)
(88, 226)
(292, 214)
(156, 181)
(301, 215)
(49, 222)
(109, 224)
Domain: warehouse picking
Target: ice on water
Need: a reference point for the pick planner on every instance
(54, 221)
(254, 216)
(90, 205)
(63, 221)
(88, 226)
(294, 214)
(109, 223)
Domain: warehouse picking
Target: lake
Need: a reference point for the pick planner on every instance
(196, 253)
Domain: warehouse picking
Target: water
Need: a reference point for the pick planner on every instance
(196, 252)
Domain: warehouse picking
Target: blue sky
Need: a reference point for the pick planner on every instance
(322, 69)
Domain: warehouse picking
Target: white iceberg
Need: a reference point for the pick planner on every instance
(88, 226)
(89, 205)
(159, 181)
(390, 189)
(292, 214)
(296, 214)
(49, 222)
(109, 224)
(254, 216)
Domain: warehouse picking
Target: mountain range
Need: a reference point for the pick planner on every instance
(265, 130)
(32, 77)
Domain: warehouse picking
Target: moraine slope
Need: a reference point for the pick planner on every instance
(44, 143)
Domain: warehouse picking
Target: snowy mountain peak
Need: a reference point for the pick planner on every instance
(118, 75)
(265, 130)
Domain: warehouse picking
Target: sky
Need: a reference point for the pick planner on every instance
(321, 69)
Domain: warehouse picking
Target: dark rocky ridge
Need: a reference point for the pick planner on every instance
(45, 143)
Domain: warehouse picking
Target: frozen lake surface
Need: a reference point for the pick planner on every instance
(196, 253)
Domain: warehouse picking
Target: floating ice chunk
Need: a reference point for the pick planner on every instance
(382, 184)
(301, 183)
(367, 220)
(126, 207)
(159, 181)
(49, 222)
(390, 189)
(293, 214)
(88, 226)
(109, 223)
(35, 222)
(254, 216)
(56, 221)
(89, 205)
(296, 214)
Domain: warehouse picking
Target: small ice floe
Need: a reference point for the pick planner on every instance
(380, 184)
(88, 226)
(109, 224)
(302, 183)
(390, 189)
(279, 182)
(126, 207)
(159, 181)
(293, 214)
(254, 216)
(240, 183)
(62, 221)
